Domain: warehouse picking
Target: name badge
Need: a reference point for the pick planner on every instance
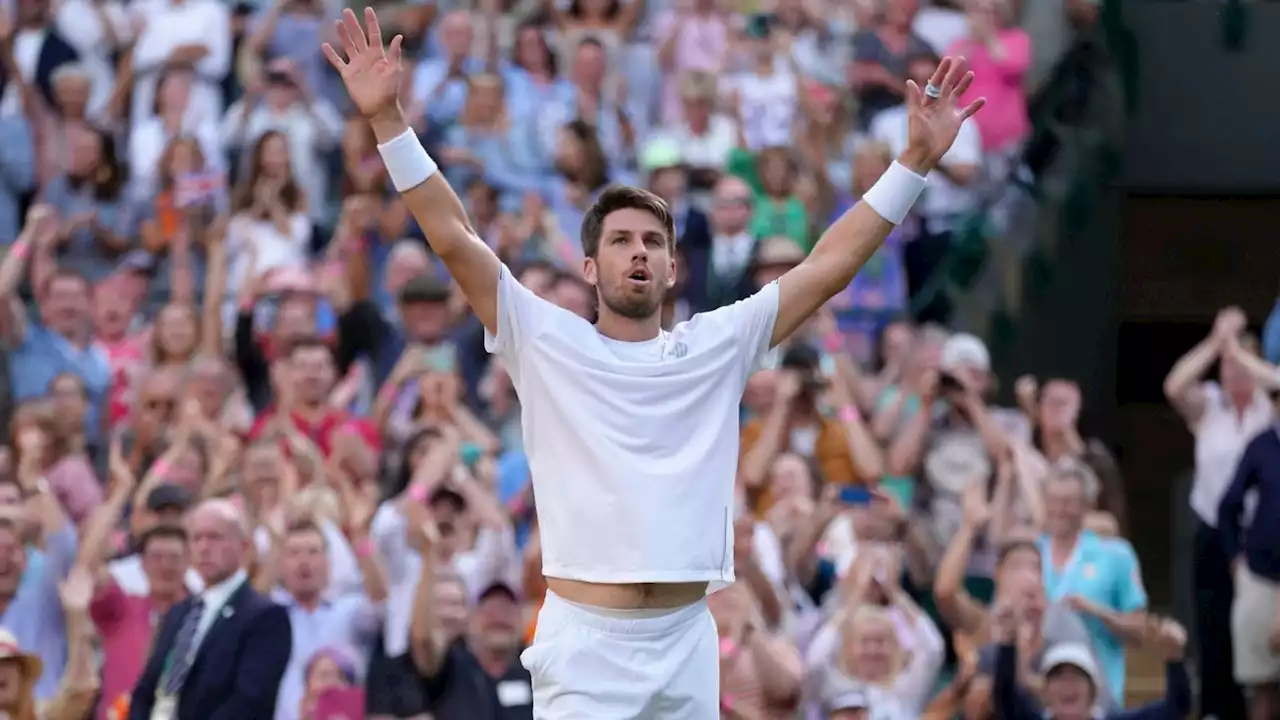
(166, 708)
(511, 693)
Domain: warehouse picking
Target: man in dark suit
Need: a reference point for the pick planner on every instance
(219, 655)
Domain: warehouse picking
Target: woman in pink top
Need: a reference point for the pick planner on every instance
(693, 37)
(999, 57)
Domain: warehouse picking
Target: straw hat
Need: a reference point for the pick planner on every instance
(32, 666)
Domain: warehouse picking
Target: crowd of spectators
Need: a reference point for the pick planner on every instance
(210, 291)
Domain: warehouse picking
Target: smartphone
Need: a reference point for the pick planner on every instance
(855, 495)
(441, 358)
(949, 383)
(469, 454)
(340, 704)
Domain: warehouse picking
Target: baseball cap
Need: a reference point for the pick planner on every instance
(660, 153)
(425, 288)
(1074, 655)
(965, 350)
(498, 587)
(168, 497)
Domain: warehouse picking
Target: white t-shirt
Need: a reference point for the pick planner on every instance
(632, 447)
(1221, 437)
(768, 106)
(943, 202)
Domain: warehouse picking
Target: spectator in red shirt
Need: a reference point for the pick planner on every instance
(304, 380)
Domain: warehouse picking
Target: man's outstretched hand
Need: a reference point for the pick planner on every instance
(370, 72)
(934, 123)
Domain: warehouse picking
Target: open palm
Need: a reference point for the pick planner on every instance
(933, 123)
(370, 72)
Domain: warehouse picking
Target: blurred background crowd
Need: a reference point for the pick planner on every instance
(211, 291)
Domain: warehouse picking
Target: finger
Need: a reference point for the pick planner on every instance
(973, 108)
(393, 52)
(333, 57)
(348, 45)
(375, 30)
(940, 72)
(955, 71)
(913, 95)
(354, 30)
(962, 87)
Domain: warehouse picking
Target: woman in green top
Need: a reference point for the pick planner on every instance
(772, 176)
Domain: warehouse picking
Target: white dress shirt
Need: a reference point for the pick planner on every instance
(1221, 435)
(215, 599)
(172, 24)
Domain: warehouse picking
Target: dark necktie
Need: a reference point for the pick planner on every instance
(182, 655)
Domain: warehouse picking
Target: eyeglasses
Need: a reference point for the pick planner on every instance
(154, 404)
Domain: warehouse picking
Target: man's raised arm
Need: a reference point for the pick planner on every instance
(372, 75)
(935, 119)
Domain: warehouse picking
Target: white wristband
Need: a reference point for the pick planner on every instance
(893, 194)
(408, 164)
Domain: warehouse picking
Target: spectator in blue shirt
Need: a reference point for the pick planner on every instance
(440, 84)
(488, 143)
(1097, 577)
(59, 340)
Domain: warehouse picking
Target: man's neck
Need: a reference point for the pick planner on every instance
(308, 601)
(311, 412)
(617, 327)
(1063, 544)
(494, 662)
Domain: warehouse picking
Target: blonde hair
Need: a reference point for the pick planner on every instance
(698, 85)
(857, 621)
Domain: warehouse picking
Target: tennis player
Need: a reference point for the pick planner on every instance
(632, 430)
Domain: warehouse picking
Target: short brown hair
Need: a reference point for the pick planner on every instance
(624, 197)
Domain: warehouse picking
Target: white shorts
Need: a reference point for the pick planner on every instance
(588, 666)
(1252, 617)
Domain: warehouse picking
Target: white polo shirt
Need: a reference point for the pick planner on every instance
(1221, 436)
(633, 447)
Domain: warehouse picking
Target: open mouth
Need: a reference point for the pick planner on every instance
(639, 276)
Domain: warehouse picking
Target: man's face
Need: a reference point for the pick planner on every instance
(1069, 693)
(66, 305)
(425, 322)
(304, 564)
(164, 561)
(314, 374)
(1065, 504)
(573, 296)
(217, 546)
(13, 560)
(261, 472)
(589, 66)
(633, 266)
(731, 207)
(456, 35)
(496, 622)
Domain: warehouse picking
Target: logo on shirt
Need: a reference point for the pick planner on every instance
(679, 350)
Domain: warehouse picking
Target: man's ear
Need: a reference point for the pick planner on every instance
(671, 276)
(589, 271)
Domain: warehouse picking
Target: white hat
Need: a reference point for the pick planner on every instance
(1076, 655)
(965, 350)
(10, 650)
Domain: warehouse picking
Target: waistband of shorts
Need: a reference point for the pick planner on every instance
(557, 611)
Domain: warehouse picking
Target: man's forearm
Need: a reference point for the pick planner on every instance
(440, 214)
